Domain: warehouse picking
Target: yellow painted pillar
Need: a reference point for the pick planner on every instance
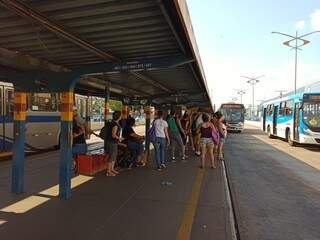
(19, 119)
(66, 145)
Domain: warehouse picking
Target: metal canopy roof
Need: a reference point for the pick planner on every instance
(143, 48)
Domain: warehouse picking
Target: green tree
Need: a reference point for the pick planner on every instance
(115, 105)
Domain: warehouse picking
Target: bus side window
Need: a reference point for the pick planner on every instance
(45, 102)
(270, 110)
(289, 108)
(9, 102)
(282, 109)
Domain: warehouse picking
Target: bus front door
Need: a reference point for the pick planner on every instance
(264, 118)
(275, 119)
(296, 121)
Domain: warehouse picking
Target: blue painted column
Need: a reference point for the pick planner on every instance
(66, 145)
(19, 116)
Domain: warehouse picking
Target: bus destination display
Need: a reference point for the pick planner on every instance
(311, 97)
(231, 106)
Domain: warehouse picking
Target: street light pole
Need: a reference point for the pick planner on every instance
(253, 81)
(241, 92)
(296, 47)
(296, 63)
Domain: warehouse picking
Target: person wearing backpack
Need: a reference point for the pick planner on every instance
(111, 141)
(162, 139)
(175, 137)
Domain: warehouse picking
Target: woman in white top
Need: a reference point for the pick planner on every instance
(161, 130)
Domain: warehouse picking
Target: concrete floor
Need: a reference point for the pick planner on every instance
(133, 205)
(275, 190)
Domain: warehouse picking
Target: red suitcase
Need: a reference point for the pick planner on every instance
(90, 164)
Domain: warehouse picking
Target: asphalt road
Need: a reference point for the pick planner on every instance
(275, 187)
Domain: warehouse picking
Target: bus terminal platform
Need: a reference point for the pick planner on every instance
(141, 203)
(274, 194)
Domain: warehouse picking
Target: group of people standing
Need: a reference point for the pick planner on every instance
(128, 137)
(195, 130)
(202, 132)
(118, 131)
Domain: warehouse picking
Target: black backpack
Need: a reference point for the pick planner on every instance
(105, 130)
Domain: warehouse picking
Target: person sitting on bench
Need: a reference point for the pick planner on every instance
(133, 141)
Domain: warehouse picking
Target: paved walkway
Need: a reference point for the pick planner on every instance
(275, 187)
(133, 205)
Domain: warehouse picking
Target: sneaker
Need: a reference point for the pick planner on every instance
(198, 153)
(163, 165)
(159, 169)
(173, 159)
(183, 159)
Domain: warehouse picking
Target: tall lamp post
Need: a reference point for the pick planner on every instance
(241, 92)
(234, 99)
(296, 42)
(252, 81)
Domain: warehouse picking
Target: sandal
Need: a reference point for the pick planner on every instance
(110, 175)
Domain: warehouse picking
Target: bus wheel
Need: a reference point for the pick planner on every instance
(290, 140)
(269, 132)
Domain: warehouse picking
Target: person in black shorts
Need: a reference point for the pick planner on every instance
(112, 139)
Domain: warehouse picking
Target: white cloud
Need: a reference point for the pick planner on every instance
(300, 24)
(315, 20)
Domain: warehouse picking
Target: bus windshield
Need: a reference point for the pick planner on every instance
(311, 114)
(233, 115)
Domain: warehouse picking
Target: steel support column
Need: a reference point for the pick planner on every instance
(66, 145)
(147, 111)
(20, 100)
(106, 104)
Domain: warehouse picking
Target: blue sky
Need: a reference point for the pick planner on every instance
(234, 38)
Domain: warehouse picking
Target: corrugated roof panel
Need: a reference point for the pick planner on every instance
(126, 29)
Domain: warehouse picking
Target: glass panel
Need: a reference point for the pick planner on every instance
(81, 106)
(282, 108)
(270, 110)
(46, 102)
(311, 114)
(9, 102)
(233, 115)
(289, 108)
